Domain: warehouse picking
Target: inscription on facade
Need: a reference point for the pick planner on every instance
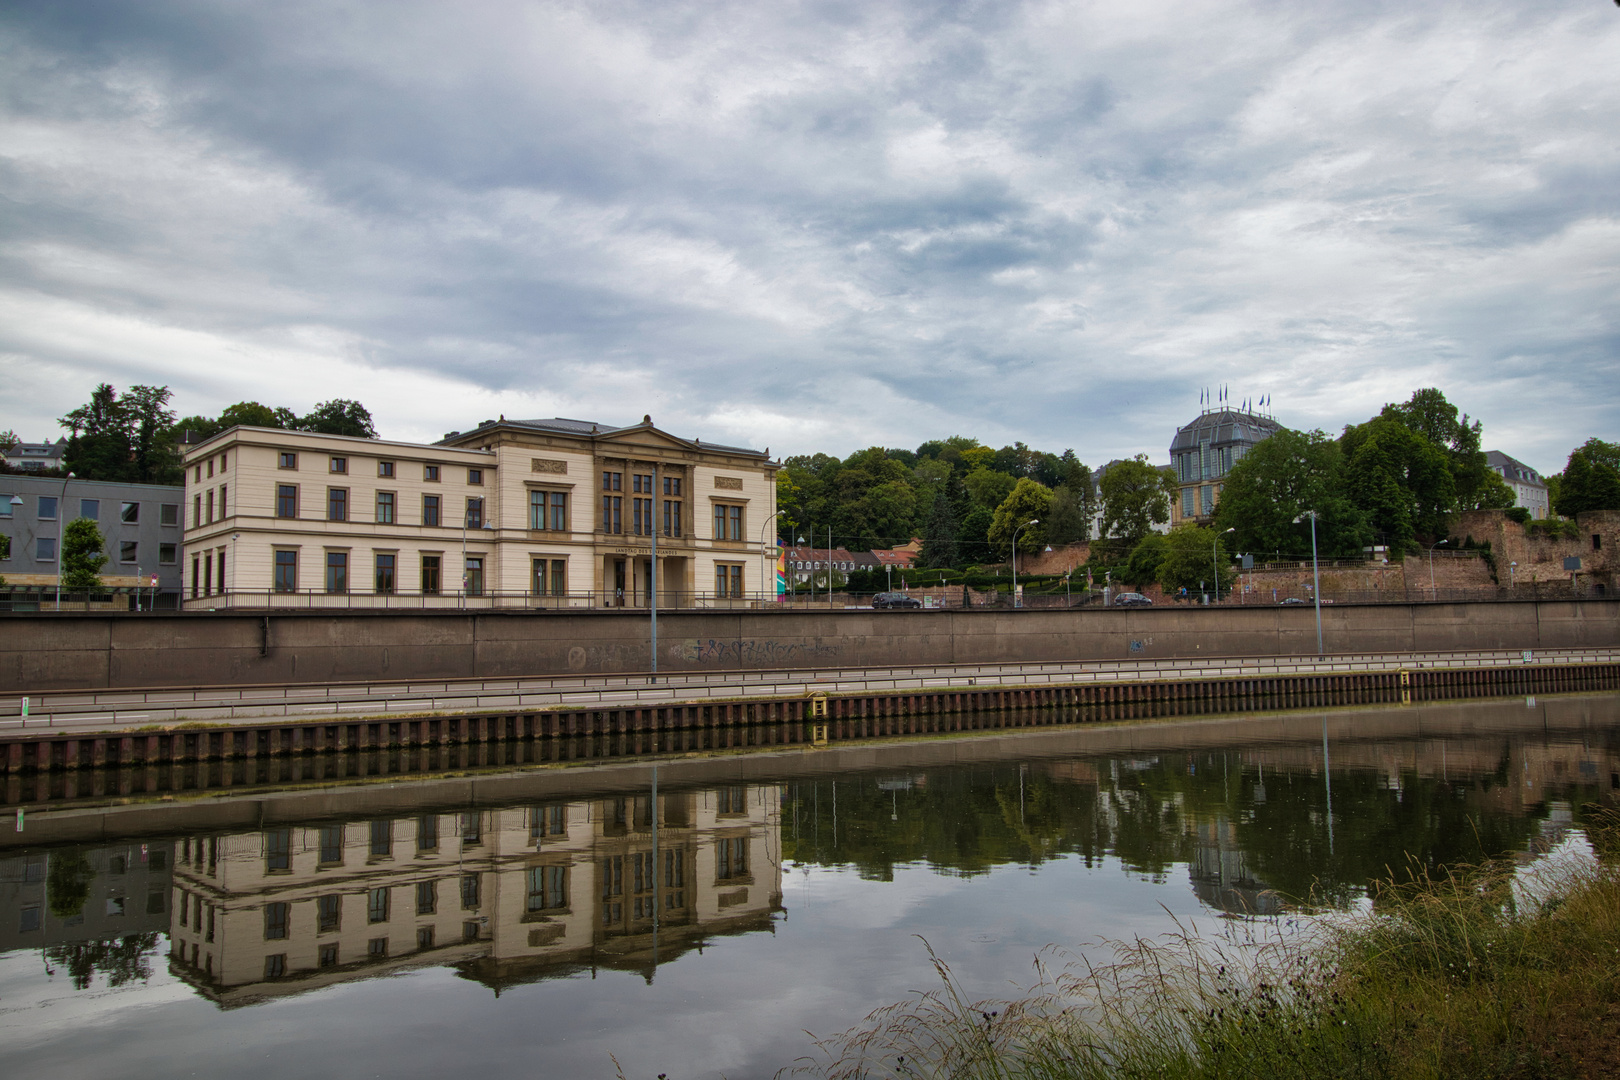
(728, 483)
(548, 465)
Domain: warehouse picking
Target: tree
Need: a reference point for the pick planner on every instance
(1279, 479)
(252, 414)
(1135, 497)
(128, 439)
(1400, 479)
(988, 487)
(82, 555)
(1066, 519)
(1192, 558)
(1143, 565)
(1030, 501)
(340, 416)
(972, 547)
(8, 440)
(939, 536)
(1591, 479)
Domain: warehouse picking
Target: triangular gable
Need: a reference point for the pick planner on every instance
(646, 435)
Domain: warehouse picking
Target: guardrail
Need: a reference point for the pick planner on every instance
(76, 709)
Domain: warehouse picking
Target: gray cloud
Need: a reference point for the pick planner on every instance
(817, 226)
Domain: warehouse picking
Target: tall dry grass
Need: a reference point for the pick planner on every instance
(1483, 972)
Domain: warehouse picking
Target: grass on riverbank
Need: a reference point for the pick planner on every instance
(1478, 974)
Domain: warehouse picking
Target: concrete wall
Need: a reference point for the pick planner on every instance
(54, 652)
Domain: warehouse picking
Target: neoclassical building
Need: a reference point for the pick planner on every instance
(532, 513)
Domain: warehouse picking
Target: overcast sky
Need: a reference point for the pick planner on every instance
(818, 226)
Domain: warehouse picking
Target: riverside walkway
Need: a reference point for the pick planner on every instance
(121, 711)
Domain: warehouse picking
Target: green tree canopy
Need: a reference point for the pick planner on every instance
(1030, 500)
(1143, 565)
(1136, 497)
(989, 488)
(1193, 556)
(1066, 520)
(1591, 479)
(1280, 478)
(340, 416)
(82, 555)
(1400, 479)
(939, 536)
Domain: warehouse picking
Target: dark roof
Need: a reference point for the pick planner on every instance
(1224, 426)
(1512, 468)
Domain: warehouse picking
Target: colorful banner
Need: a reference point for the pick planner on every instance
(781, 570)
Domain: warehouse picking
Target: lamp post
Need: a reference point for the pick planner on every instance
(812, 570)
(829, 568)
(1316, 578)
(1433, 592)
(485, 525)
(1513, 576)
(1216, 562)
(61, 536)
(1017, 600)
(762, 529)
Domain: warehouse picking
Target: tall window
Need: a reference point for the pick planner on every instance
(337, 504)
(548, 888)
(641, 513)
(385, 507)
(548, 820)
(548, 510)
(209, 502)
(277, 850)
(672, 506)
(382, 839)
(430, 509)
(728, 580)
(550, 576)
(469, 890)
(430, 575)
(427, 832)
(475, 575)
(427, 897)
(222, 511)
(377, 905)
(475, 512)
(286, 571)
(275, 921)
(196, 511)
(728, 521)
(385, 573)
(612, 510)
(731, 857)
(328, 913)
(337, 571)
(331, 845)
(286, 500)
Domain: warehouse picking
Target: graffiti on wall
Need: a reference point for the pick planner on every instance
(746, 652)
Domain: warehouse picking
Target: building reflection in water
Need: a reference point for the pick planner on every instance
(505, 895)
(627, 882)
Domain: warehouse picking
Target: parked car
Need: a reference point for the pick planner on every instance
(1132, 599)
(895, 600)
(1292, 601)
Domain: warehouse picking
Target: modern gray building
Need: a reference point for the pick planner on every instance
(141, 524)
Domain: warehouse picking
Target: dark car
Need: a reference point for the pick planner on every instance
(1132, 599)
(1292, 601)
(895, 600)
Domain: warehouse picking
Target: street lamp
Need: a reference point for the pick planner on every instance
(485, 525)
(1017, 601)
(61, 536)
(1316, 578)
(762, 529)
(812, 570)
(1215, 560)
(1433, 592)
(1513, 575)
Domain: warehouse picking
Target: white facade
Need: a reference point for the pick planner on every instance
(1529, 489)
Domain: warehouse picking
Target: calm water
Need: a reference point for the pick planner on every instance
(536, 924)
